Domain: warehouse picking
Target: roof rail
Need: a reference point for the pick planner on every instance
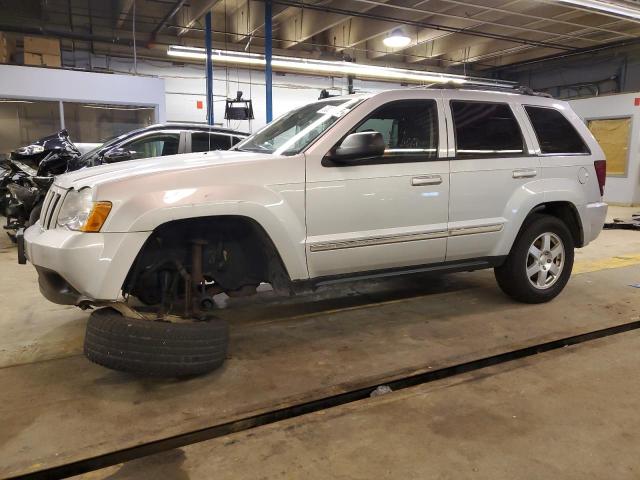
(470, 85)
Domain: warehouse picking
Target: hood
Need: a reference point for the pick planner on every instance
(89, 177)
(40, 148)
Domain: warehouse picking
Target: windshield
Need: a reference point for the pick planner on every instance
(91, 154)
(292, 132)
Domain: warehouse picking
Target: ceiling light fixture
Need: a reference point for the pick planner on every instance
(608, 8)
(324, 67)
(397, 39)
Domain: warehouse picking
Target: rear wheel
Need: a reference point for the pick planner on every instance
(540, 262)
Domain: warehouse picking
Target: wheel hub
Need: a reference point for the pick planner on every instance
(545, 260)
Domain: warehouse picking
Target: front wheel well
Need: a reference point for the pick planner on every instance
(565, 211)
(232, 252)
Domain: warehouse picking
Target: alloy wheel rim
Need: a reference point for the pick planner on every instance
(545, 261)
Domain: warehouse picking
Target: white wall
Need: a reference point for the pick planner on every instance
(36, 83)
(174, 89)
(620, 190)
(186, 85)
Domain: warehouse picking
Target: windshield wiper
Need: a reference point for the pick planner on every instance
(256, 149)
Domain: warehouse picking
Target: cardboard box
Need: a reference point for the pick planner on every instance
(32, 59)
(51, 60)
(7, 48)
(42, 46)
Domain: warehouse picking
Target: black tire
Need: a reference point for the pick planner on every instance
(512, 274)
(154, 348)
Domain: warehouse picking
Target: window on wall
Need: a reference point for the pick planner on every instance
(555, 133)
(24, 121)
(409, 129)
(90, 123)
(613, 135)
(486, 129)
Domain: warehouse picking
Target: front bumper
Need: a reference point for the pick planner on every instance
(75, 267)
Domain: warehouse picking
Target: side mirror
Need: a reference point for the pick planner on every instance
(117, 154)
(359, 146)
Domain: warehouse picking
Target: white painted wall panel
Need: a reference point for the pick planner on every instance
(622, 190)
(75, 86)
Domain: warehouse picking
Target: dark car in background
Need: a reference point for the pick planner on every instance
(26, 176)
(158, 141)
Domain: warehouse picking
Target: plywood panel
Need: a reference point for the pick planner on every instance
(613, 135)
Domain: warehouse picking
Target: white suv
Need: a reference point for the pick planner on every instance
(397, 182)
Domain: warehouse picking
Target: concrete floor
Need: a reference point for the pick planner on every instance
(569, 414)
(58, 407)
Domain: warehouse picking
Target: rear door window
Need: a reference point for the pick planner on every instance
(555, 133)
(204, 142)
(484, 129)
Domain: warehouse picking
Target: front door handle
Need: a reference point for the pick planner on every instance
(525, 173)
(426, 180)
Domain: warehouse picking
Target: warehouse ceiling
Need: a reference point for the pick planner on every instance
(471, 34)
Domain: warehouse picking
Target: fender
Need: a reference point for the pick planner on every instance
(532, 195)
(142, 203)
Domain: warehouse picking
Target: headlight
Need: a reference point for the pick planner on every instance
(30, 150)
(80, 212)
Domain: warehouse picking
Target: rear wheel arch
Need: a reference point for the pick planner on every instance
(566, 212)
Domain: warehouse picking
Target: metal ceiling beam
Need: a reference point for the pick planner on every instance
(532, 16)
(488, 50)
(559, 56)
(463, 18)
(423, 36)
(196, 10)
(460, 49)
(424, 24)
(163, 23)
(305, 23)
(124, 8)
(359, 30)
(248, 19)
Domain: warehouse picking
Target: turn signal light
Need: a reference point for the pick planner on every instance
(97, 217)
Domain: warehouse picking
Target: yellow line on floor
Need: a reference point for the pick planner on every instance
(588, 266)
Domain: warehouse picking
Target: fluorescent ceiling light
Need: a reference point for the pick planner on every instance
(116, 107)
(397, 39)
(609, 8)
(324, 67)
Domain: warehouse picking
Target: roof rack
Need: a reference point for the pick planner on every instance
(471, 85)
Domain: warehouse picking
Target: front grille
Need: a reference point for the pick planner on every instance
(51, 207)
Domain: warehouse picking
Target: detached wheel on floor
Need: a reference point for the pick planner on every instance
(155, 348)
(540, 262)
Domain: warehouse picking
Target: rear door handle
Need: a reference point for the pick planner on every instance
(525, 173)
(426, 180)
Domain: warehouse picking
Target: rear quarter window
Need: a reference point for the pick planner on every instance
(556, 135)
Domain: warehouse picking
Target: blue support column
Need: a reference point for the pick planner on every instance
(209, 66)
(268, 37)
